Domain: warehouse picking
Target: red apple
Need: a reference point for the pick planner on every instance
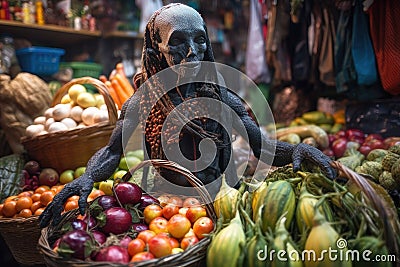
(183, 210)
(159, 246)
(178, 226)
(152, 211)
(202, 227)
(159, 225)
(195, 212)
(146, 235)
(170, 210)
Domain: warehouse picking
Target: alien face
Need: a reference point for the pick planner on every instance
(183, 39)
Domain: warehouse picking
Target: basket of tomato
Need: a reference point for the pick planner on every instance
(19, 220)
(133, 228)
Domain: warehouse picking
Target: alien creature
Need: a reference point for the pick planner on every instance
(176, 34)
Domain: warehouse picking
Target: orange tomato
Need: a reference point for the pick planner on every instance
(1, 209)
(11, 198)
(135, 246)
(94, 194)
(71, 205)
(35, 197)
(39, 211)
(9, 208)
(26, 194)
(25, 213)
(46, 197)
(42, 188)
(73, 198)
(23, 203)
(35, 206)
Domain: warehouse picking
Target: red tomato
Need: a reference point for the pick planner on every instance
(188, 241)
(135, 246)
(202, 227)
(159, 246)
(178, 226)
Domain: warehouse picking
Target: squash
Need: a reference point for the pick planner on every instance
(11, 167)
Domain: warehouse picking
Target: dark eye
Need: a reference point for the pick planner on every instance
(200, 40)
(175, 41)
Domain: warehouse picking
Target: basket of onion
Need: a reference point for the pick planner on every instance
(73, 128)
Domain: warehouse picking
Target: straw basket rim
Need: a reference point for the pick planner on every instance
(190, 257)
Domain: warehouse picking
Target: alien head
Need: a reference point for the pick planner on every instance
(176, 34)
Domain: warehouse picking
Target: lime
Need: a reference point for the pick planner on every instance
(67, 176)
(127, 163)
(79, 171)
(139, 153)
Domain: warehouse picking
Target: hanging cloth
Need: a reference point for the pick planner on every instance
(326, 65)
(361, 48)
(346, 77)
(256, 62)
(384, 19)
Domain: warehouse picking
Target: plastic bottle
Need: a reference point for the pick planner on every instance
(39, 12)
(25, 12)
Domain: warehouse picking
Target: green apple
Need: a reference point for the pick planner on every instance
(106, 186)
(139, 153)
(79, 171)
(127, 163)
(67, 176)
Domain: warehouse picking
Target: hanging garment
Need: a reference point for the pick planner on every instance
(299, 41)
(326, 65)
(361, 48)
(256, 62)
(384, 19)
(345, 73)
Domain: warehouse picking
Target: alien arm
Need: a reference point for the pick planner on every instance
(104, 162)
(269, 151)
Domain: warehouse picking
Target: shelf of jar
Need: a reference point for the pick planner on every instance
(58, 36)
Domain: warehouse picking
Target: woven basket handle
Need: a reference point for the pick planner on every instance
(100, 86)
(190, 177)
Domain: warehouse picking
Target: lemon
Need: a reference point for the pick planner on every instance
(66, 99)
(76, 90)
(106, 187)
(86, 100)
(99, 100)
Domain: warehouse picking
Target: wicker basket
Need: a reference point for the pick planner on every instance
(193, 256)
(21, 236)
(73, 148)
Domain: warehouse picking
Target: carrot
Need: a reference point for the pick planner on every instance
(103, 78)
(124, 83)
(112, 74)
(113, 94)
(122, 95)
(120, 69)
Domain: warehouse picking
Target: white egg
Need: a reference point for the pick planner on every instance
(48, 122)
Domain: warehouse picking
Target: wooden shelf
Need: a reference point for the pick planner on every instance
(60, 36)
(51, 35)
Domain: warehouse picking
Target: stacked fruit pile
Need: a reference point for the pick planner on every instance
(131, 226)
